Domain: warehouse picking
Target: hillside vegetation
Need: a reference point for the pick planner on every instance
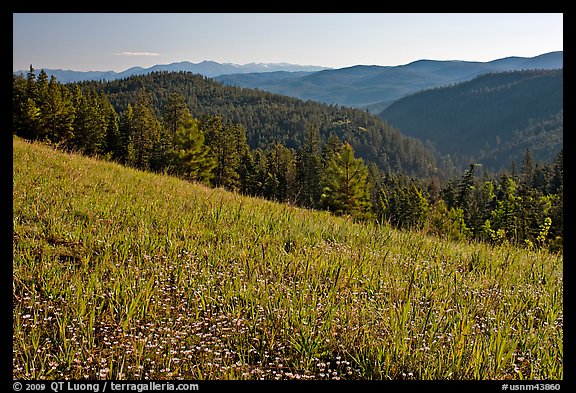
(491, 119)
(272, 118)
(123, 274)
(523, 207)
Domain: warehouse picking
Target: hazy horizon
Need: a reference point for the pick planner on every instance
(116, 42)
(278, 63)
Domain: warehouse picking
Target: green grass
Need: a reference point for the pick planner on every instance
(123, 274)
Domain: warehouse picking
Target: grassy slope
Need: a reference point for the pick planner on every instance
(124, 274)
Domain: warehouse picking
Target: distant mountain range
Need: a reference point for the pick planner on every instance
(362, 86)
(206, 68)
(375, 87)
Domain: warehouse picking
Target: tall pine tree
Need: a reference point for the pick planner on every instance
(345, 187)
(190, 157)
(227, 143)
(146, 131)
(309, 170)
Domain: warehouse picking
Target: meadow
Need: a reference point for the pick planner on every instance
(122, 274)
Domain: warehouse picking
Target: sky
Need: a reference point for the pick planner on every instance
(102, 42)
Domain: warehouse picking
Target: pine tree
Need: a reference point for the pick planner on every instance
(89, 122)
(113, 139)
(556, 177)
(221, 150)
(260, 172)
(505, 215)
(333, 146)
(31, 86)
(31, 118)
(402, 202)
(281, 173)
(190, 157)
(127, 155)
(345, 188)
(25, 113)
(175, 113)
(227, 143)
(375, 182)
(309, 170)
(43, 104)
(528, 171)
(58, 114)
(146, 131)
(465, 187)
(248, 174)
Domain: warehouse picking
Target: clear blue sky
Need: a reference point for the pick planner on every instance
(102, 42)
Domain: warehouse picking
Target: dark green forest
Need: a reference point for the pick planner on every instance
(272, 118)
(304, 153)
(491, 119)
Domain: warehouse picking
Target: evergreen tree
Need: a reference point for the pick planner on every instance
(25, 113)
(465, 188)
(175, 112)
(448, 222)
(556, 215)
(113, 140)
(31, 85)
(89, 122)
(332, 148)
(247, 172)
(43, 104)
(127, 154)
(146, 131)
(483, 202)
(58, 114)
(345, 188)
(375, 182)
(227, 143)
(190, 157)
(505, 215)
(528, 168)
(402, 202)
(281, 173)
(309, 170)
(260, 172)
(433, 189)
(556, 181)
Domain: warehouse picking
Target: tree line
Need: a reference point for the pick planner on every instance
(521, 207)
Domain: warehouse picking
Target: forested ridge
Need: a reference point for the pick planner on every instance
(490, 119)
(272, 118)
(188, 126)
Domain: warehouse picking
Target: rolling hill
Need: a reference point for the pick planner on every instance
(270, 118)
(377, 86)
(492, 119)
(121, 274)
